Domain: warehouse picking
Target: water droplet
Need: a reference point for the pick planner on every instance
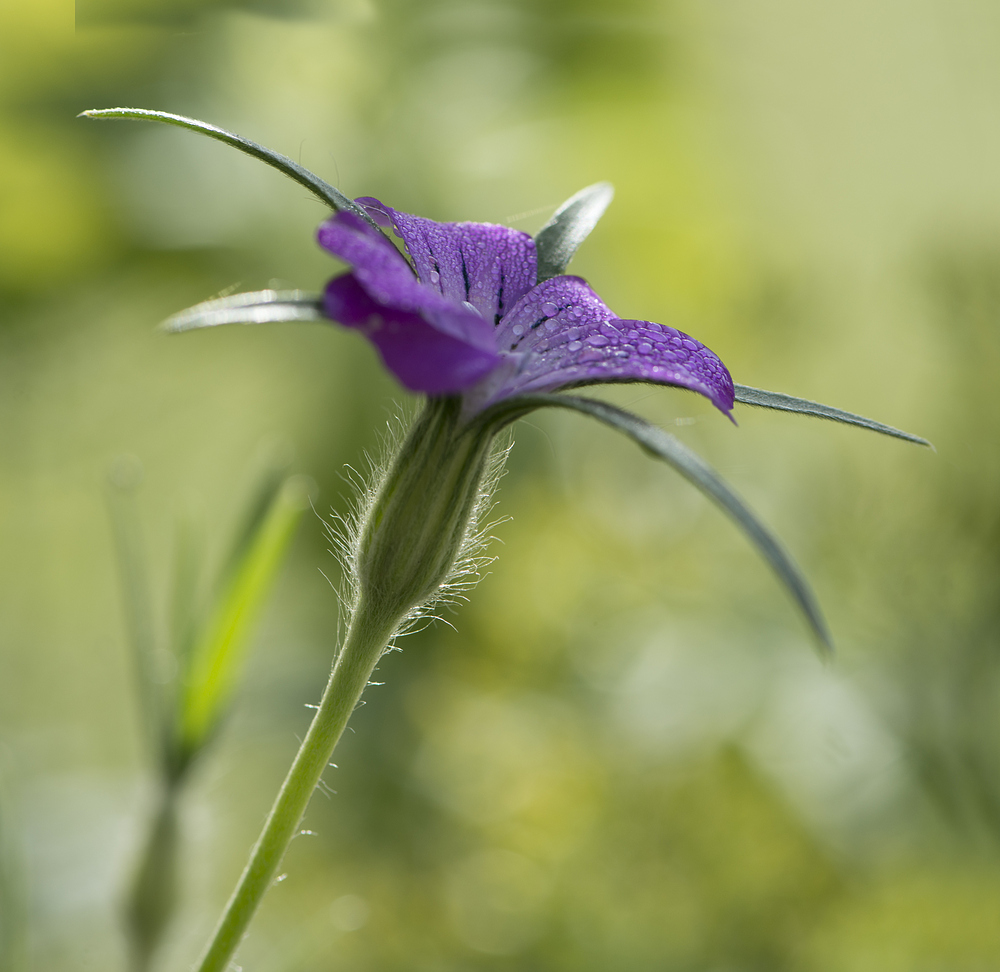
(574, 346)
(597, 340)
(645, 348)
(518, 329)
(549, 309)
(551, 325)
(435, 277)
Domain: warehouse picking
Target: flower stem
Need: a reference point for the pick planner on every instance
(367, 638)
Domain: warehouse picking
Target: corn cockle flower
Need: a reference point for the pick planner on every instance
(483, 320)
(470, 317)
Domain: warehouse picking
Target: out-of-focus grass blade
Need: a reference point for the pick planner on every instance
(152, 900)
(334, 198)
(786, 403)
(184, 600)
(662, 445)
(124, 478)
(259, 307)
(561, 236)
(219, 652)
(13, 908)
(270, 479)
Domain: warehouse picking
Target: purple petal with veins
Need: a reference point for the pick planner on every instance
(572, 338)
(472, 320)
(423, 357)
(387, 278)
(489, 266)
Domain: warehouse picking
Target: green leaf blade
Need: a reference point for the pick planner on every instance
(571, 224)
(219, 652)
(780, 402)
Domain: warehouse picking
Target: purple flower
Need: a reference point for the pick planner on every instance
(484, 321)
(470, 316)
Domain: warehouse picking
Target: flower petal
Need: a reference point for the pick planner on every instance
(573, 338)
(423, 357)
(384, 273)
(489, 266)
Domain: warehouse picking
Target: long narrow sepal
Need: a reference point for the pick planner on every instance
(662, 445)
(561, 236)
(786, 403)
(260, 307)
(334, 198)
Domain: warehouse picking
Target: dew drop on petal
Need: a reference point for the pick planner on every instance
(574, 346)
(645, 348)
(597, 340)
(518, 329)
(549, 309)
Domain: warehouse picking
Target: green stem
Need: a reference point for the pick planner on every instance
(366, 640)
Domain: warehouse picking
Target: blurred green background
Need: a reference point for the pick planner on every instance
(623, 752)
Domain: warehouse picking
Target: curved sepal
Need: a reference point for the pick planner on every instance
(786, 403)
(662, 445)
(334, 198)
(571, 224)
(260, 307)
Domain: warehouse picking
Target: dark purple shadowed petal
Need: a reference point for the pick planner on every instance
(573, 338)
(423, 357)
(489, 266)
(387, 278)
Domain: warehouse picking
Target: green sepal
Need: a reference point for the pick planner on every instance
(334, 198)
(662, 445)
(786, 403)
(561, 236)
(258, 307)
(416, 526)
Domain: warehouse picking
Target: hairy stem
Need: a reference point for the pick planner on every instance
(367, 638)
